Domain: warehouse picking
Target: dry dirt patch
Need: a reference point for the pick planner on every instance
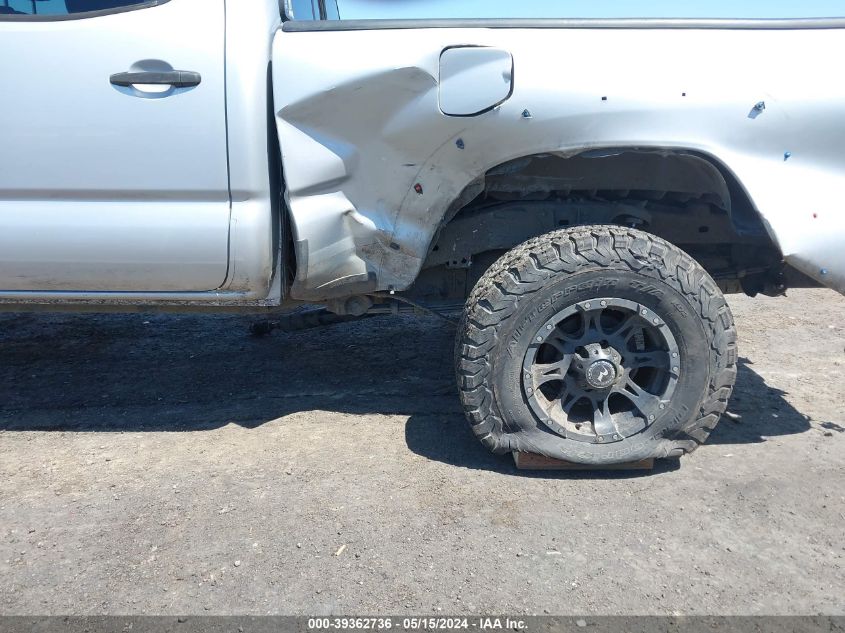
(174, 465)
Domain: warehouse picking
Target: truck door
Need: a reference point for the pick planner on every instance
(113, 163)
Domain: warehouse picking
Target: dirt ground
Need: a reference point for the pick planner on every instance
(174, 465)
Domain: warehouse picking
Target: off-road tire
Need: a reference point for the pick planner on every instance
(534, 281)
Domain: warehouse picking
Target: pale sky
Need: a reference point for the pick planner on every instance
(387, 9)
(396, 9)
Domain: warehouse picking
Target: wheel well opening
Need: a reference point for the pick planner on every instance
(685, 197)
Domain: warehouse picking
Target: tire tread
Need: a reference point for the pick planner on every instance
(525, 270)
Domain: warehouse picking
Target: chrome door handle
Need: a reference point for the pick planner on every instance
(175, 78)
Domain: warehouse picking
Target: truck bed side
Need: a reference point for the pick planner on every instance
(373, 167)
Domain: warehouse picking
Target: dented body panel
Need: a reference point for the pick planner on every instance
(318, 161)
(374, 166)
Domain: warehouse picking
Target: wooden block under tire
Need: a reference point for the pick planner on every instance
(532, 461)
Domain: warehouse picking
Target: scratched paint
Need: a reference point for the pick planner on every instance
(360, 125)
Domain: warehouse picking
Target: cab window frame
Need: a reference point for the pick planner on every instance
(81, 15)
(320, 10)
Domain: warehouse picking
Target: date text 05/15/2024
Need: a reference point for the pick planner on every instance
(414, 624)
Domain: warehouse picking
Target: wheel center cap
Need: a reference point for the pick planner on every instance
(601, 374)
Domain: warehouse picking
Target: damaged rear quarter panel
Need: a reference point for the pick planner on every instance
(360, 128)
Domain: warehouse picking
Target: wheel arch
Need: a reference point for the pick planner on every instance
(693, 170)
(684, 195)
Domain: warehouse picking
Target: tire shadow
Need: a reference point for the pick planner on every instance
(757, 411)
(450, 441)
(166, 373)
(762, 412)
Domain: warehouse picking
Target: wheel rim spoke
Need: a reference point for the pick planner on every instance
(555, 411)
(568, 399)
(543, 374)
(603, 423)
(562, 343)
(592, 326)
(647, 403)
(628, 328)
(586, 357)
(659, 360)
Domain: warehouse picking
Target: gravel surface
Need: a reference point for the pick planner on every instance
(174, 465)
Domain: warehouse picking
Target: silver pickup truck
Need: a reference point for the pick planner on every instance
(584, 190)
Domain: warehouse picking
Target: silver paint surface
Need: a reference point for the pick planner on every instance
(124, 196)
(128, 196)
(359, 130)
(109, 188)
